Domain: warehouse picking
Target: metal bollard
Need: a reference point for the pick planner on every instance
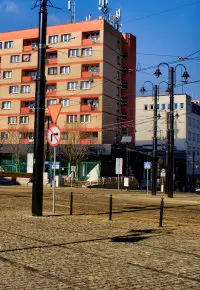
(110, 208)
(71, 203)
(161, 212)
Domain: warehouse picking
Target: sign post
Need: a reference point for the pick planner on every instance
(147, 166)
(54, 138)
(118, 168)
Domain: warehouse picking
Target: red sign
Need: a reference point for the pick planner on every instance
(54, 135)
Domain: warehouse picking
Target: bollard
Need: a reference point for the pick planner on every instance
(161, 211)
(71, 203)
(110, 208)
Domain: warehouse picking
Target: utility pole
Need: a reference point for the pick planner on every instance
(171, 137)
(154, 159)
(38, 158)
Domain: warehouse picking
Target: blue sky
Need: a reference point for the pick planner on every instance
(165, 28)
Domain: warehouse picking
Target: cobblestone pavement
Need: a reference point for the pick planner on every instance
(87, 251)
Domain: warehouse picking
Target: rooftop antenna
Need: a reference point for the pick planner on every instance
(118, 19)
(103, 6)
(71, 8)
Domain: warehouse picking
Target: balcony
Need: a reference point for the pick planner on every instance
(86, 108)
(26, 79)
(87, 41)
(51, 61)
(89, 141)
(51, 92)
(27, 47)
(25, 110)
(86, 74)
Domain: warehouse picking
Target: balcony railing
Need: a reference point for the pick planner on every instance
(86, 108)
(51, 92)
(87, 41)
(51, 60)
(89, 141)
(26, 110)
(27, 47)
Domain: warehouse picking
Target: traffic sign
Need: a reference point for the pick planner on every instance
(147, 165)
(54, 135)
(54, 111)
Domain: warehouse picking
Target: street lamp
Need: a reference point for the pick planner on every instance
(171, 82)
(155, 139)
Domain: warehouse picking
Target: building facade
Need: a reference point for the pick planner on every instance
(186, 126)
(90, 70)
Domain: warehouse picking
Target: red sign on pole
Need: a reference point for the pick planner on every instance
(54, 111)
(54, 135)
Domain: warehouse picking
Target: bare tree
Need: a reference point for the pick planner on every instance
(72, 150)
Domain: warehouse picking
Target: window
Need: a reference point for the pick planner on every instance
(181, 105)
(168, 106)
(26, 57)
(189, 135)
(72, 86)
(0, 45)
(189, 121)
(3, 135)
(8, 44)
(87, 51)
(124, 101)
(85, 118)
(91, 68)
(24, 120)
(163, 106)
(6, 105)
(175, 106)
(93, 35)
(65, 102)
(65, 37)
(158, 106)
(34, 44)
(13, 89)
(64, 135)
(118, 44)
(14, 58)
(73, 52)
(65, 70)
(12, 120)
(194, 137)
(7, 74)
(118, 75)
(53, 39)
(124, 55)
(71, 118)
(31, 73)
(52, 102)
(123, 116)
(26, 135)
(145, 107)
(151, 106)
(118, 60)
(124, 132)
(25, 89)
(51, 87)
(85, 85)
(124, 85)
(52, 71)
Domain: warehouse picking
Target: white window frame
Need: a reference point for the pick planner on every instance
(71, 118)
(26, 57)
(65, 102)
(73, 52)
(2, 136)
(25, 89)
(52, 70)
(72, 86)
(7, 74)
(53, 39)
(24, 120)
(85, 118)
(86, 51)
(85, 85)
(14, 58)
(48, 89)
(64, 70)
(13, 89)
(52, 102)
(6, 105)
(12, 120)
(66, 37)
(8, 44)
(65, 135)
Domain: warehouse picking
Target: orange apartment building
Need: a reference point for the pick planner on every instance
(90, 70)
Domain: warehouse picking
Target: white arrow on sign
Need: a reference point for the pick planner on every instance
(54, 135)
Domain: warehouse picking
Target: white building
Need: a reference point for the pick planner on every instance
(186, 125)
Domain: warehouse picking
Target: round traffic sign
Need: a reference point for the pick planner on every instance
(54, 135)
